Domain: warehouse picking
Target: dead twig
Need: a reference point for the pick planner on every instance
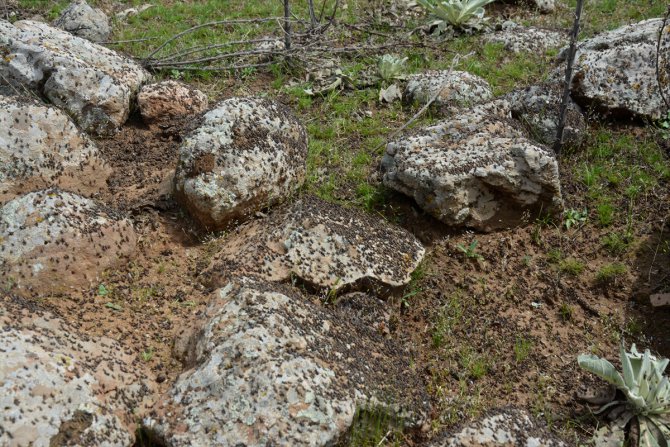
(211, 24)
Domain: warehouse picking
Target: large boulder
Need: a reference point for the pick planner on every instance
(168, 100)
(83, 21)
(615, 72)
(53, 241)
(501, 428)
(325, 246)
(517, 38)
(475, 169)
(453, 88)
(248, 153)
(270, 367)
(93, 84)
(59, 387)
(41, 147)
(537, 108)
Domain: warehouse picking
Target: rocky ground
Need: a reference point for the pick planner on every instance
(230, 260)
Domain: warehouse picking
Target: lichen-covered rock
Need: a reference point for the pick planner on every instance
(324, 245)
(52, 241)
(41, 147)
(58, 387)
(270, 367)
(83, 21)
(517, 39)
(170, 99)
(545, 6)
(458, 88)
(93, 84)
(538, 107)
(248, 153)
(474, 170)
(615, 72)
(502, 428)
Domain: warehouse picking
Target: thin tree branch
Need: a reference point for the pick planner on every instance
(658, 60)
(568, 77)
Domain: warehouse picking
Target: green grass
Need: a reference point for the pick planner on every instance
(374, 426)
(571, 266)
(616, 243)
(609, 273)
(522, 349)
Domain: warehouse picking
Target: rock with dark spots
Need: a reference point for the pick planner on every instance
(502, 428)
(458, 88)
(517, 38)
(59, 387)
(615, 72)
(475, 170)
(323, 245)
(53, 241)
(41, 147)
(270, 367)
(93, 84)
(83, 21)
(538, 107)
(248, 154)
(168, 100)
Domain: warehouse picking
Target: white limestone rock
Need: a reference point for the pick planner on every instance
(615, 72)
(41, 147)
(475, 169)
(249, 153)
(502, 428)
(458, 88)
(323, 245)
(270, 367)
(59, 387)
(53, 241)
(93, 84)
(167, 100)
(83, 21)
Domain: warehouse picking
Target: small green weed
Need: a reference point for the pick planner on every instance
(571, 266)
(616, 243)
(609, 273)
(475, 365)
(566, 312)
(573, 217)
(522, 348)
(605, 213)
(374, 426)
(470, 251)
(147, 354)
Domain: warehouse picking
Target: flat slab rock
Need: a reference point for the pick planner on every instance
(269, 367)
(456, 88)
(502, 428)
(93, 84)
(323, 245)
(249, 153)
(41, 147)
(53, 241)
(517, 38)
(476, 170)
(58, 387)
(615, 72)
